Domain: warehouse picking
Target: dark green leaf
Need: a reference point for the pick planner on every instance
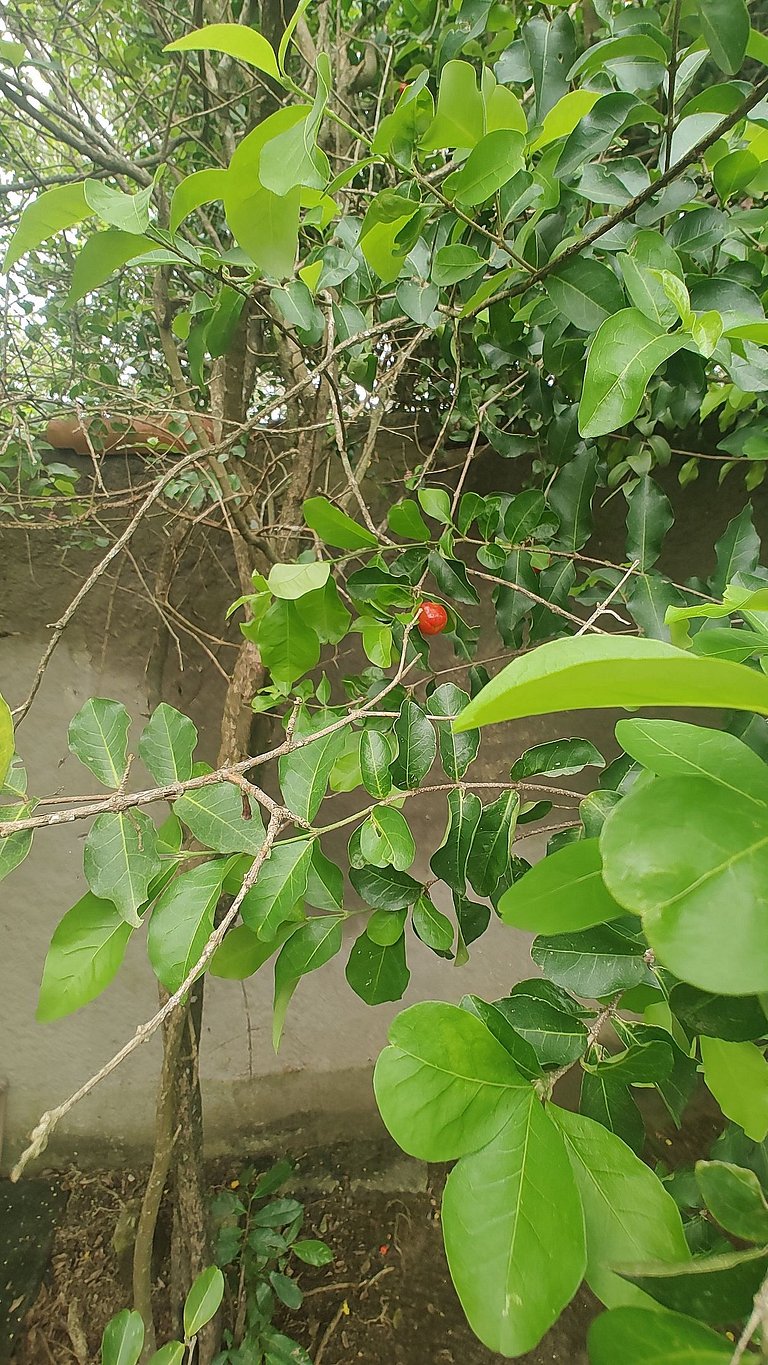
(556, 758)
(570, 497)
(385, 888)
(640, 1336)
(491, 851)
(717, 1289)
(456, 751)
(556, 1037)
(417, 746)
(649, 518)
(451, 578)
(377, 972)
(585, 292)
(725, 26)
(735, 1199)
(432, 927)
(450, 860)
(594, 963)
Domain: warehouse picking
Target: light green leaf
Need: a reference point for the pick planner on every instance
(182, 922)
(129, 212)
(737, 1076)
(592, 671)
(456, 751)
(432, 927)
(170, 1354)
(120, 859)
(692, 858)
(594, 132)
(556, 758)
(491, 163)
(202, 187)
(334, 527)
(265, 225)
(98, 736)
(279, 887)
(377, 972)
(205, 1296)
(87, 949)
(216, 816)
(235, 40)
(386, 840)
(643, 1336)
(167, 744)
(646, 291)
(561, 893)
(51, 212)
(11, 52)
(311, 946)
(123, 1339)
(417, 746)
(734, 1197)
(377, 643)
(101, 256)
(623, 356)
(563, 116)
(325, 882)
(725, 26)
(505, 1209)
(242, 952)
(289, 646)
(673, 748)
(304, 774)
(290, 581)
(460, 115)
(649, 518)
(7, 741)
(445, 1087)
(627, 1211)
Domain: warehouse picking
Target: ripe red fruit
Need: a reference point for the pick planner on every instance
(431, 618)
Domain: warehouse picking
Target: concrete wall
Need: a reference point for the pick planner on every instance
(320, 1082)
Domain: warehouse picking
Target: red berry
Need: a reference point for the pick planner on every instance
(431, 618)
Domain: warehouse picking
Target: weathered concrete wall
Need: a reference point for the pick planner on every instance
(321, 1080)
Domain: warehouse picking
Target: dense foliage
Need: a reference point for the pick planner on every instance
(537, 231)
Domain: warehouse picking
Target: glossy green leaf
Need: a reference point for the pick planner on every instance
(570, 497)
(491, 852)
(451, 578)
(334, 527)
(500, 1229)
(679, 851)
(404, 518)
(594, 132)
(519, 1049)
(377, 972)
(203, 1300)
(375, 758)
(293, 157)
(642, 1336)
(304, 774)
(289, 646)
(52, 211)
(266, 226)
(325, 882)
(735, 1198)
(718, 1289)
(737, 1019)
(563, 116)
(592, 671)
(167, 744)
(417, 746)
(457, 751)
(86, 952)
(725, 26)
(610, 1103)
(182, 922)
(557, 1038)
(562, 893)
(445, 1087)
(242, 952)
(450, 860)
(290, 581)
(123, 1339)
(627, 1211)
(556, 758)
(586, 292)
(120, 859)
(235, 40)
(279, 887)
(551, 47)
(649, 517)
(737, 1076)
(646, 291)
(311, 946)
(592, 962)
(222, 817)
(386, 926)
(623, 356)
(170, 1354)
(98, 736)
(385, 888)
(737, 550)
(432, 927)
(386, 840)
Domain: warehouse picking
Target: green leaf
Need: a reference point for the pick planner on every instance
(334, 527)
(375, 758)
(491, 851)
(679, 849)
(445, 1087)
(556, 758)
(623, 356)
(304, 774)
(735, 1198)
(717, 1289)
(377, 972)
(649, 518)
(202, 187)
(279, 887)
(563, 117)
(265, 225)
(129, 212)
(432, 927)
(417, 746)
(643, 1336)
(593, 671)
(556, 1037)
(451, 265)
(7, 741)
(289, 647)
(325, 882)
(460, 115)
(311, 946)
(293, 157)
(167, 744)
(182, 922)
(610, 1103)
(242, 952)
(673, 748)
(86, 952)
(216, 816)
(51, 212)
(324, 612)
(737, 1075)
(725, 26)
(404, 518)
(205, 1296)
(561, 893)
(450, 860)
(312, 1252)
(170, 1354)
(491, 163)
(102, 255)
(120, 859)
(595, 132)
(646, 291)
(495, 1021)
(593, 962)
(290, 581)
(386, 926)
(386, 840)
(436, 503)
(585, 292)
(235, 40)
(551, 48)
(570, 497)
(500, 1228)
(385, 888)
(627, 1211)
(456, 751)
(123, 1339)
(98, 736)
(737, 1019)
(451, 578)
(737, 550)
